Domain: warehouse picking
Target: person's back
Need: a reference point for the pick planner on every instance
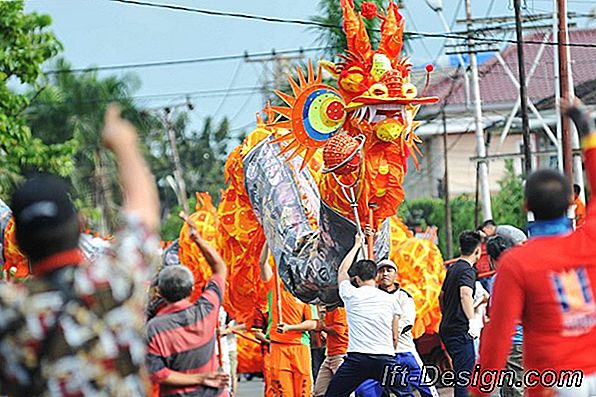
(289, 321)
(77, 325)
(367, 309)
(559, 288)
(76, 328)
(550, 284)
(181, 337)
(373, 327)
(294, 311)
(580, 208)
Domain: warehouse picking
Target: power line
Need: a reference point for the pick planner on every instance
(325, 25)
(246, 55)
(591, 2)
(212, 93)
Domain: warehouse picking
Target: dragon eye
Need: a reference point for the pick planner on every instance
(409, 90)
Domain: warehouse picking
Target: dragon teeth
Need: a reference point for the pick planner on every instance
(372, 113)
(363, 113)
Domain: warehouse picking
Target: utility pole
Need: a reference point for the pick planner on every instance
(178, 173)
(564, 86)
(522, 87)
(480, 148)
(280, 68)
(448, 227)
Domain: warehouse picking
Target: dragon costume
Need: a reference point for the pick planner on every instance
(320, 167)
(313, 173)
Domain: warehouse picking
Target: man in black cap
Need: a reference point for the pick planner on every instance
(75, 329)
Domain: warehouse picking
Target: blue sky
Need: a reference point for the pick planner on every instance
(101, 32)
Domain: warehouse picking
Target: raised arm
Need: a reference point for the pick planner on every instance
(138, 185)
(587, 131)
(266, 272)
(215, 261)
(342, 272)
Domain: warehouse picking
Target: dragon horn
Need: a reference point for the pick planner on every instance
(392, 30)
(355, 31)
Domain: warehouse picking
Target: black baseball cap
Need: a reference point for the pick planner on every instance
(42, 202)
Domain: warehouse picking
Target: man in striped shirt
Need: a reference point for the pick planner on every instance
(181, 336)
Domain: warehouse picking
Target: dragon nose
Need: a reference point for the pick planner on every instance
(378, 90)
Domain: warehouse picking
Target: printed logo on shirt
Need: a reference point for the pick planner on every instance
(576, 300)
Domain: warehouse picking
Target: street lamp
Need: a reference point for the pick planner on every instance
(437, 6)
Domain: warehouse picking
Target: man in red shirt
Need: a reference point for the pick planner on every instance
(486, 274)
(550, 284)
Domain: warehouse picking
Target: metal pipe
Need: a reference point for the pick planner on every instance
(480, 146)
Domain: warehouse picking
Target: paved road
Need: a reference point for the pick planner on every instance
(254, 388)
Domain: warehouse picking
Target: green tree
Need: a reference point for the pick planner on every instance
(25, 43)
(431, 212)
(330, 14)
(507, 205)
(203, 155)
(71, 108)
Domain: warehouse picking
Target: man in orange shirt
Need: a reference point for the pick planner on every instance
(335, 325)
(290, 342)
(580, 208)
(259, 326)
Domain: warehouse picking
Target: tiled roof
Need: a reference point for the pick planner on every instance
(496, 86)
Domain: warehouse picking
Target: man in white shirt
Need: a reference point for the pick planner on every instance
(405, 353)
(373, 324)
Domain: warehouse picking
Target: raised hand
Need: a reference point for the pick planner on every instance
(580, 116)
(117, 132)
(358, 240)
(193, 232)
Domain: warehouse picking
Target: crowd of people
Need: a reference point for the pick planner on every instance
(75, 329)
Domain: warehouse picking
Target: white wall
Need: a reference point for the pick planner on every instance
(462, 171)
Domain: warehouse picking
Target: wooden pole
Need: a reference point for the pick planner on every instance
(278, 293)
(564, 87)
(218, 339)
(522, 87)
(448, 226)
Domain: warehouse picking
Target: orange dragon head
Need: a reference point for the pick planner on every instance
(366, 125)
(381, 100)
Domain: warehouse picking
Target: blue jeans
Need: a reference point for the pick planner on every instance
(372, 388)
(461, 351)
(357, 368)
